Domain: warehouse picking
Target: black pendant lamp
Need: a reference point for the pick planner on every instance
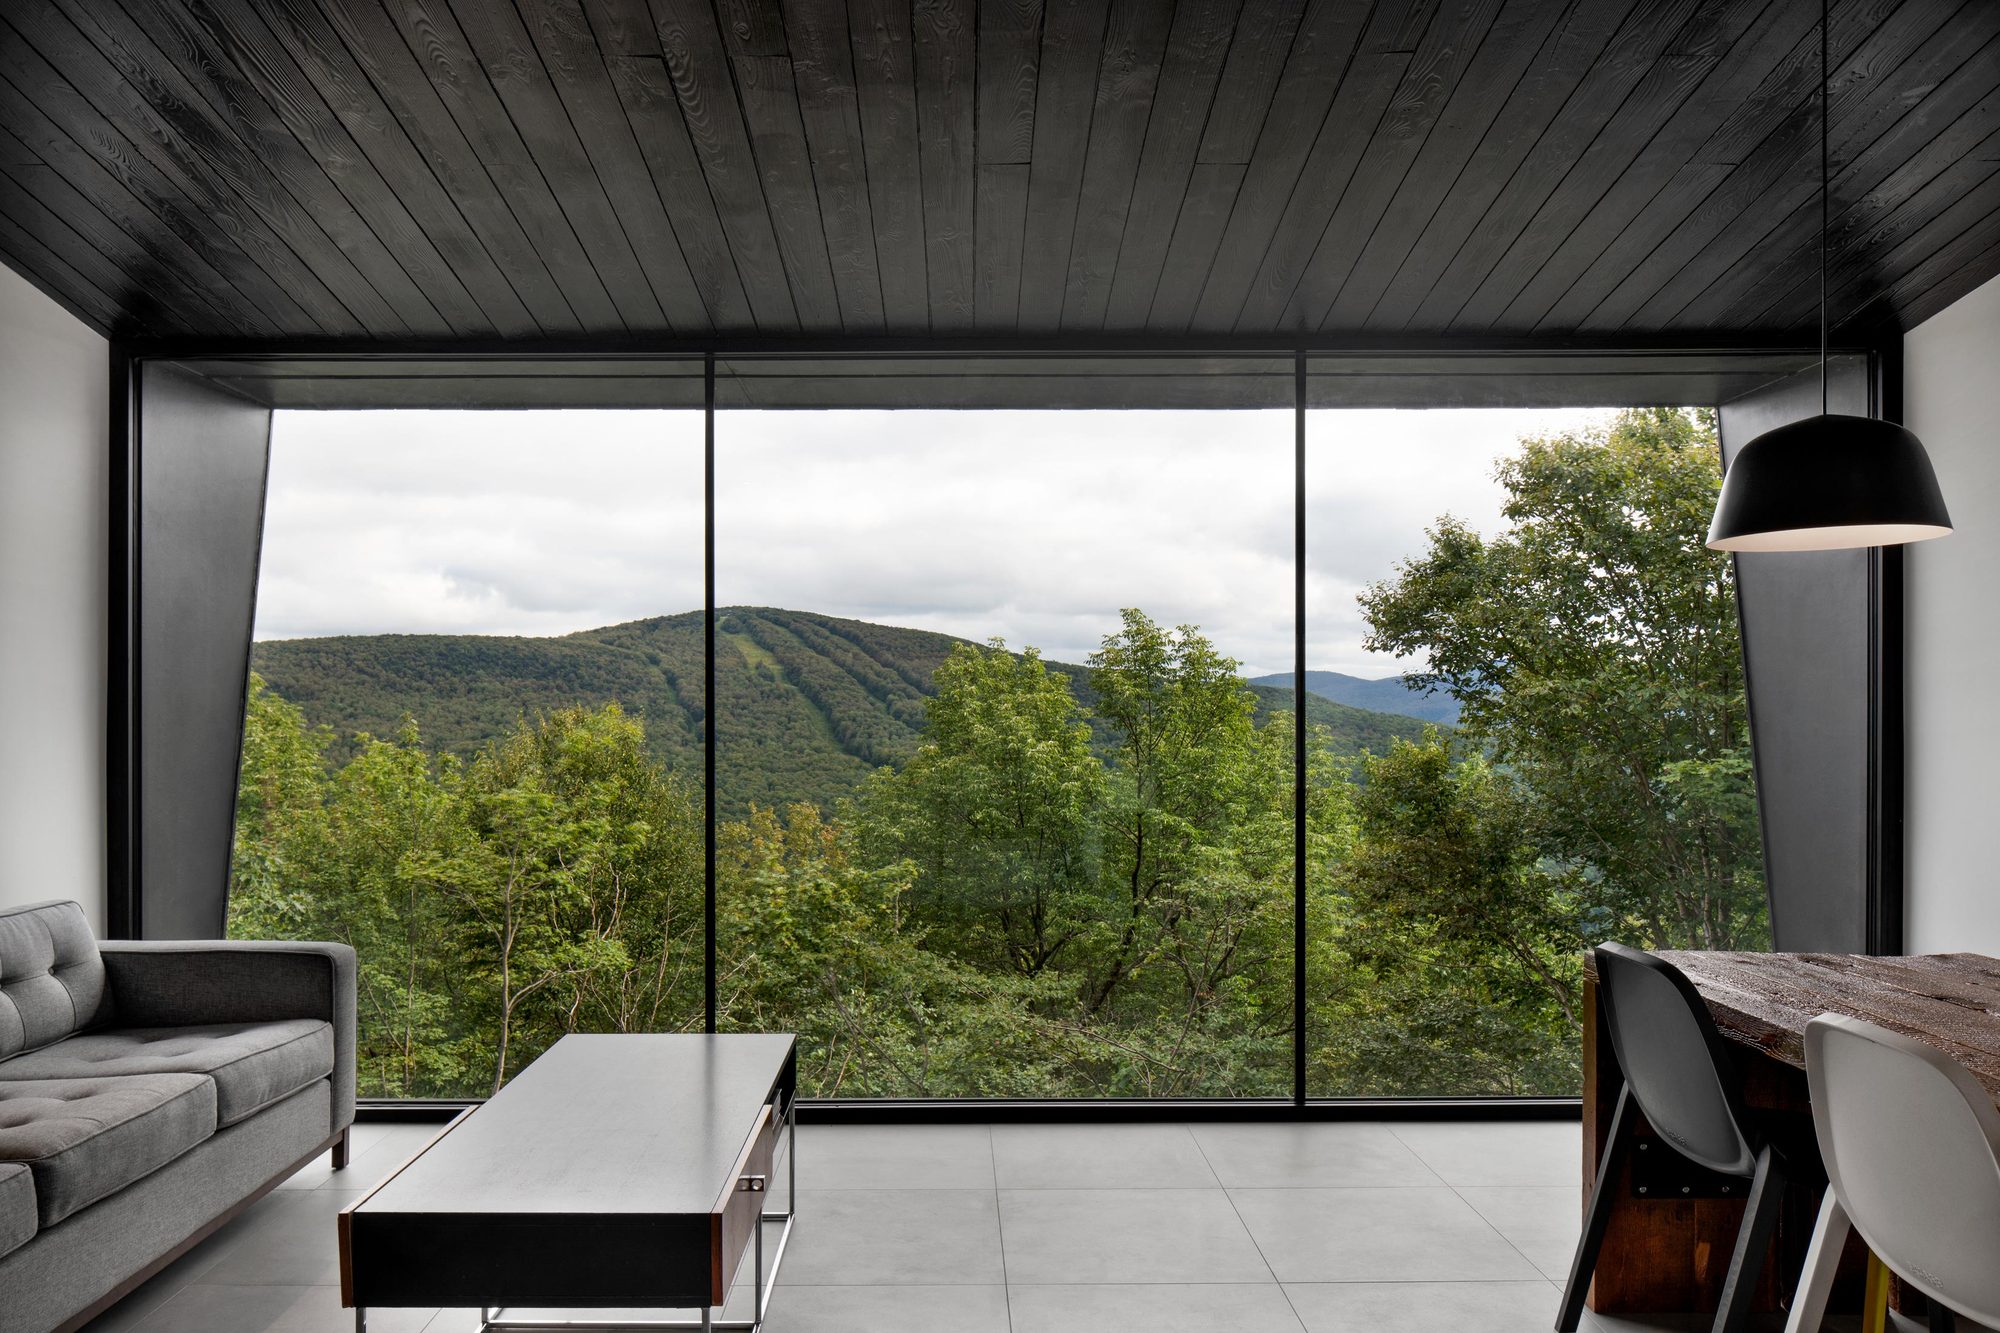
(1829, 481)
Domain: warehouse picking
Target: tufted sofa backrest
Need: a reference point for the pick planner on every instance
(51, 978)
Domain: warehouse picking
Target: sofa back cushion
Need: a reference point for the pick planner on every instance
(51, 978)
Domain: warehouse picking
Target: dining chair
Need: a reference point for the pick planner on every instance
(1911, 1142)
(1679, 1075)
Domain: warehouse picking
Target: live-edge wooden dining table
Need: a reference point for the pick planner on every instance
(1668, 1243)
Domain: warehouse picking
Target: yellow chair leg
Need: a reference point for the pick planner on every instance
(1875, 1297)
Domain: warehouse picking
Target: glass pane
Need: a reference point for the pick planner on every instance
(1005, 811)
(473, 737)
(1522, 604)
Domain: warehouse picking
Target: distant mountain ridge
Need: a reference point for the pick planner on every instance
(1385, 695)
(810, 704)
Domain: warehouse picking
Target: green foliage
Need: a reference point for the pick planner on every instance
(810, 705)
(1594, 647)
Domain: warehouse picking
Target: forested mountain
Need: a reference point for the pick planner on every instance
(810, 704)
(1385, 695)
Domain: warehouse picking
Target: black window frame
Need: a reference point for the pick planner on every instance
(124, 704)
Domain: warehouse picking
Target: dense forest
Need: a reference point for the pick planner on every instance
(1032, 880)
(810, 704)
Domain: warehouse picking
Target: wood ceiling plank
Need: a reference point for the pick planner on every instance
(1467, 63)
(1975, 272)
(947, 103)
(1464, 160)
(364, 166)
(651, 109)
(1560, 112)
(1931, 253)
(1880, 232)
(58, 279)
(146, 205)
(879, 32)
(1871, 178)
(398, 121)
(537, 71)
(1258, 51)
(1002, 221)
(770, 104)
(1702, 225)
(105, 272)
(729, 232)
(823, 67)
(1127, 81)
(1517, 295)
(1212, 191)
(1296, 132)
(1065, 92)
(163, 267)
(1196, 49)
(692, 276)
(753, 27)
(1010, 52)
(124, 116)
(328, 181)
(1956, 114)
(433, 83)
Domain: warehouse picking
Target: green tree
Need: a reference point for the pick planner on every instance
(996, 812)
(1593, 646)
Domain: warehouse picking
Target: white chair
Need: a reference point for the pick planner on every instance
(1912, 1148)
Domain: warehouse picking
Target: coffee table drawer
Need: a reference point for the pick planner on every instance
(739, 1211)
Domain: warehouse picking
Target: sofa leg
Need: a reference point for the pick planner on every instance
(340, 1149)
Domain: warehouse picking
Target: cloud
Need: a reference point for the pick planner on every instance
(1033, 526)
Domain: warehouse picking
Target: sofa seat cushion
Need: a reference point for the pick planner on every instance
(253, 1064)
(17, 1206)
(84, 1138)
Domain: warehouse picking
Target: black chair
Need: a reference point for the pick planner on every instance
(1679, 1074)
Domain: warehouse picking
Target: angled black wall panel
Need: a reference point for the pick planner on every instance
(202, 459)
(1807, 642)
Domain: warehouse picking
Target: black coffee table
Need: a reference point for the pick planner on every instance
(617, 1171)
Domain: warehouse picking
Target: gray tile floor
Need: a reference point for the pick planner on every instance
(1429, 1228)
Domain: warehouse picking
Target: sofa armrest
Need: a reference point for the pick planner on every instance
(173, 983)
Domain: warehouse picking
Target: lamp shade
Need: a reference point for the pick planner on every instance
(1827, 482)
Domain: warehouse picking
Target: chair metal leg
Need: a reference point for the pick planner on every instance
(1753, 1242)
(1822, 1265)
(1603, 1194)
(1942, 1319)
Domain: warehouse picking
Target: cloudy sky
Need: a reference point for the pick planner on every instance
(1036, 527)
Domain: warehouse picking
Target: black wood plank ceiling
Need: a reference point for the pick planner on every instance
(376, 171)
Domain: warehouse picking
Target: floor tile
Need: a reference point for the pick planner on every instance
(289, 1240)
(1384, 1234)
(1131, 1308)
(202, 1308)
(904, 1157)
(1099, 1157)
(1087, 1236)
(1480, 1152)
(1424, 1307)
(913, 1309)
(893, 1237)
(1541, 1222)
(1284, 1156)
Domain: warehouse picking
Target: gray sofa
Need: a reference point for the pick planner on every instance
(148, 1092)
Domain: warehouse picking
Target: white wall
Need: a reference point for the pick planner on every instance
(54, 534)
(1951, 399)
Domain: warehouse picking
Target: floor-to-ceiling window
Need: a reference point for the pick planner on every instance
(1005, 788)
(1002, 813)
(472, 748)
(1530, 588)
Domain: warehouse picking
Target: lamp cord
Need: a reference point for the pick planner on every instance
(1825, 9)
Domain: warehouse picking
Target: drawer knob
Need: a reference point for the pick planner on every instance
(751, 1185)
